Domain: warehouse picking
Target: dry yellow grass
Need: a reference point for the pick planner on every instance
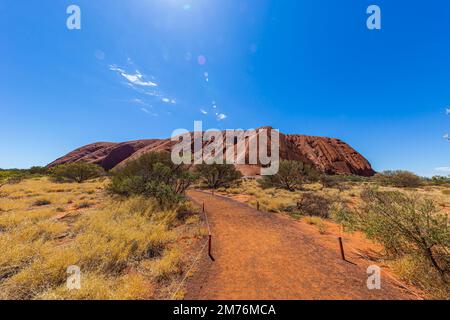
(124, 248)
(276, 200)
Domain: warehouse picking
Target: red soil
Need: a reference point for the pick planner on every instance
(261, 255)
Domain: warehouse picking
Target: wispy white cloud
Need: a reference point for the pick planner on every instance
(153, 114)
(168, 100)
(153, 93)
(447, 137)
(447, 111)
(139, 101)
(142, 84)
(203, 111)
(221, 116)
(134, 78)
(442, 169)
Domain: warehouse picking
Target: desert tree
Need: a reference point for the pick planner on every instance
(218, 175)
(76, 172)
(291, 176)
(153, 175)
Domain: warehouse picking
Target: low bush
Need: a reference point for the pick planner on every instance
(15, 176)
(312, 204)
(399, 179)
(335, 181)
(76, 172)
(343, 215)
(37, 170)
(291, 176)
(439, 181)
(407, 224)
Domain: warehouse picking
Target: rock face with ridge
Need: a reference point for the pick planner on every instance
(331, 155)
(328, 155)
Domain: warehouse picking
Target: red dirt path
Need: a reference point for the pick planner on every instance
(268, 256)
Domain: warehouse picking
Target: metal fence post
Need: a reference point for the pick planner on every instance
(342, 249)
(209, 248)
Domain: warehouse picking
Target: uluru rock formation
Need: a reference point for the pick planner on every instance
(328, 155)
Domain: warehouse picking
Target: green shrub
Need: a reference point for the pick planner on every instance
(16, 179)
(152, 175)
(314, 205)
(329, 181)
(399, 178)
(407, 224)
(11, 176)
(439, 181)
(14, 176)
(335, 181)
(343, 215)
(218, 175)
(291, 176)
(76, 172)
(37, 170)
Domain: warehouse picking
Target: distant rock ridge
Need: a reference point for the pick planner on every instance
(328, 155)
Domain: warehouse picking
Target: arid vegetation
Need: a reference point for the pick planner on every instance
(291, 176)
(153, 175)
(132, 232)
(218, 175)
(410, 227)
(76, 172)
(399, 179)
(405, 213)
(126, 247)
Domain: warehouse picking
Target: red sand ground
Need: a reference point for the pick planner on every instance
(262, 255)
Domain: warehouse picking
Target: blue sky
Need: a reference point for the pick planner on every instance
(142, 68)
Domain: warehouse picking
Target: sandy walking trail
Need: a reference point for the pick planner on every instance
(270, 256)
